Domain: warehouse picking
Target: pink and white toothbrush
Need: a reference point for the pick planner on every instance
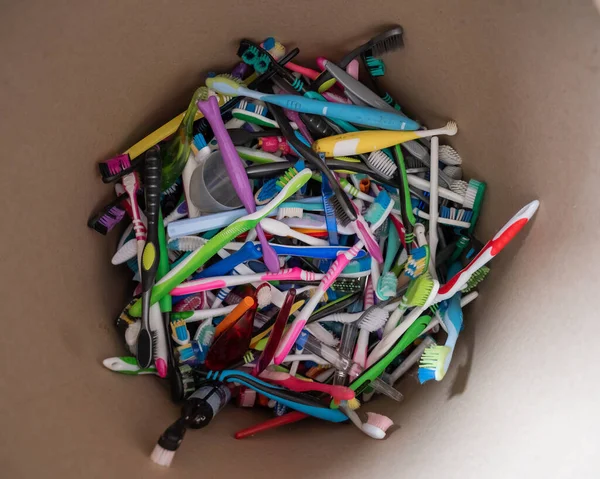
(491, 249)
(218, 282)
(299, 322)
(131, 185)
(237, 173)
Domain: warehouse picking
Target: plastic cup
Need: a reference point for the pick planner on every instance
(211, 190)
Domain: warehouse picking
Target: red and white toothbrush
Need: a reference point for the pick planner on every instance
(491, 249)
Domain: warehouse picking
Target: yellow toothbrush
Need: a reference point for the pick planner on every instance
(359, 142)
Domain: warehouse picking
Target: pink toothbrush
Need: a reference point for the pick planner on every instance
(237, 173)
(338, 393)
(491, 249)
(218, 282)
(298, 324)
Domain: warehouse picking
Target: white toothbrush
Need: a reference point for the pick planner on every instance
(279, 228)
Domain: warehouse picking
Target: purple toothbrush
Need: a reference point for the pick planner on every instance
(237, 173)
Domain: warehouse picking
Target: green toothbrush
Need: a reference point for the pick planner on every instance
(199, 257)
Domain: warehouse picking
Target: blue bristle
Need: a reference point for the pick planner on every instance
(468, 214)
(378, 207)
(268, 190)
(268, 43)
(418, 253)
(426, 374)
(182, 332)
(211, 74)
(199, 141)
(186, 354)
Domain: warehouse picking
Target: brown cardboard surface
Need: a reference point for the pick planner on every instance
(83, 80)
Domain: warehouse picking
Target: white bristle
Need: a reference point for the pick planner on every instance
(454, 172)
(186, 243)
(374, 319)
(376, 425)
(323, 335)
(125, 252)
(449, 156)
(459, 187)
(416, 149)
(130, 182)
(471, 194)
(162, 456)
(289, 213)
(264, 296)
(379, 162)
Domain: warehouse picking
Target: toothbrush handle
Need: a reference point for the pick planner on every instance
(280, 395)
(491, 249)
(356, 143)
(362, 344)
(223, 267)
(192, 226)
(340, 393)
(237, 173)
(361, 115)
(298, 324)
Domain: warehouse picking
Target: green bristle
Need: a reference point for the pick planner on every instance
(419, 290)
(477, 277)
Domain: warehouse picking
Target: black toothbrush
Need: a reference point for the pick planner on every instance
(151, 253)
(387, 41)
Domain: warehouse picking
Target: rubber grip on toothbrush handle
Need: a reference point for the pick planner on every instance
(237, 173)
(152, 179)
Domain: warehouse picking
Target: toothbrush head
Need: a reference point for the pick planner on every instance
(381, 163)
(386, 286)
(417, 262)
(273, 186)
(453, 171)
(264, 296)
(433, 363)
(474, 199)
(476, 278)
(379, 210)
(375, 65)
(419, 291)
(459, 187)
(199, 141)
(107, 219)
(224, 84)
(373, 319)
(376, 425)
(449, 156)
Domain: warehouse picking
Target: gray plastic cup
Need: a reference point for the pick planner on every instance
(211, 190)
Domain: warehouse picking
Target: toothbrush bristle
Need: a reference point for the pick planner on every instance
(449, 156)
(432, 363)
(380, 163)
(289, 213)
(374, 319)
(451, 128)
(387, 286)
(224, 84)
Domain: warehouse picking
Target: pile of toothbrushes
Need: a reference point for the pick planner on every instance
(335, 254)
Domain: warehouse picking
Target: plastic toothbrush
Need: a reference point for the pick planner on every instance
(300, 321)
(489, 251)
(351, 113)
(218, 282)
(237, 173)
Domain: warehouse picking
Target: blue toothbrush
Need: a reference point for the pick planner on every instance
(296, 401)
(360, 115)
